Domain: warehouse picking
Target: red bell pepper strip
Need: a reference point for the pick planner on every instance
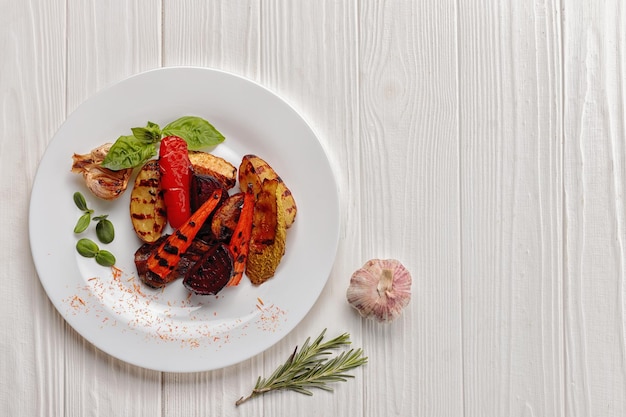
(175, 179)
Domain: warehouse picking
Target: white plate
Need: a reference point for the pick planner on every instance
(169, 330)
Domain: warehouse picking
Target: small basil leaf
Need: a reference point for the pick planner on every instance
(197, 132)
(101, 217)
(105, 231)
(105, 258)
(87, 248)
(128, 152)
(80, 202)
(83, 223)
(149, 134)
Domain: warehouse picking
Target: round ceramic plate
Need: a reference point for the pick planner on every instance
(171, 329)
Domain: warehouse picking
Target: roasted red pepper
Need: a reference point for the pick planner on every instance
(175, 179)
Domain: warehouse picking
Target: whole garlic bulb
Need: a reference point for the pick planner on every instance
(380, 289)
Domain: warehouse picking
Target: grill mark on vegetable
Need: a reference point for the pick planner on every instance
(181, 236)
(170, 249)
(239, 243)
(147, 210)
(168, 254)
(141, 216)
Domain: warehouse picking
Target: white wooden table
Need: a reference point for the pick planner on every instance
(482, 143)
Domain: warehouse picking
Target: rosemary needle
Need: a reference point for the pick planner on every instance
(311, 367)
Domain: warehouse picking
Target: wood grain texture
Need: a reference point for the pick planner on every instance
(595, 180)
(409, 177)
(109, 42)
(511, 206)
(221, 35)
(31, 107)
(510, 141)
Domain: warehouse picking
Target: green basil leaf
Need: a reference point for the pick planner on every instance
(83, 223)
(105, 258)
(149, 134)
(105, 231)
(128, 152)
(87, 248)
(197, 132)
(80, 201)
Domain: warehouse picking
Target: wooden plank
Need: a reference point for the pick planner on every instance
(510, 141)
(32, 97)
(107, 42)
(220, 35)
(595, 179)
(110, 42)
(309, 56)
(215, 34)
(409, 184)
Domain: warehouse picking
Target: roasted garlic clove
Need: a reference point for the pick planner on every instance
(380, 289)
(102, 182)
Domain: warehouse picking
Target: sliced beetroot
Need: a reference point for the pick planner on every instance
(212, 272)
(202, 188)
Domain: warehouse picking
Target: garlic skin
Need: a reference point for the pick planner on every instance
(380, 289)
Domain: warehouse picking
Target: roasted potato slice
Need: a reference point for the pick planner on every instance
(225, 218)
(253, 171)
(208, 164)
(269, 233)
(147, 206)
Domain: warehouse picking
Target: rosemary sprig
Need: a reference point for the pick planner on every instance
(311, 367)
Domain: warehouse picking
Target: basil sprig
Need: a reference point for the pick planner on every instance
(134, 150)
(89, 249)
(85, 219)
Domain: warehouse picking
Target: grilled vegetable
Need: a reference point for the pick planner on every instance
(211, 273)
(253, 171)
(175, 179)
(269, 231)
(192, 255)
(240, 242)
(202, 188)
(166, 257)
(225, 218)
(102, 182)
(147, 206)
(209, 164)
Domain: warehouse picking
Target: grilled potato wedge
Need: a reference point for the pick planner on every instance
(208, 164)
(269, 233)
(147, 206)
(253, 171)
